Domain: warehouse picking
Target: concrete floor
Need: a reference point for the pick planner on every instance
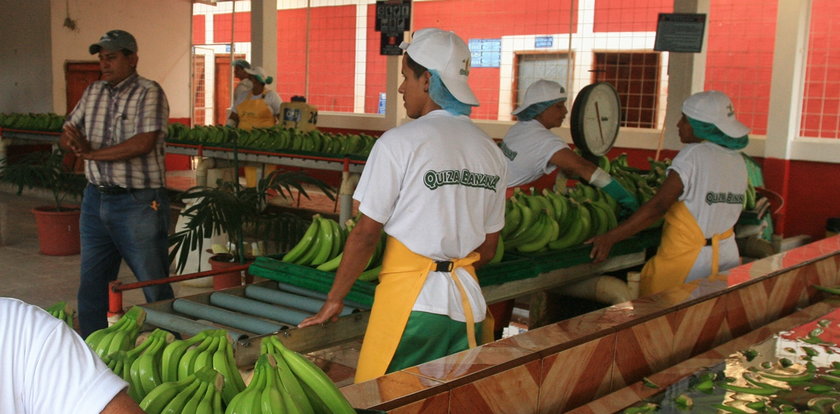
(40, 279)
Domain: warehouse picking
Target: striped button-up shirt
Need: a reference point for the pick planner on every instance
(108, 115)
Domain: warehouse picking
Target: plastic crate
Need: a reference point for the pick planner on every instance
(271, 267)
(576, 255)
(512, 267)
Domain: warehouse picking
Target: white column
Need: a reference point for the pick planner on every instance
(789, 55)
(264, 35)
(361, 58)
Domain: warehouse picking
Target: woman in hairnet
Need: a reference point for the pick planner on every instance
(533, 150)
(701, 199)
(261, 107)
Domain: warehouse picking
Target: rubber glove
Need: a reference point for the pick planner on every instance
(620, 194)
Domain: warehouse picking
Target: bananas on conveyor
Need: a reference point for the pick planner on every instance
(199, 392)
(285, 381)
(322, 247)
(120, 336)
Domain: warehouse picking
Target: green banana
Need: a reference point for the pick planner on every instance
(338, 240)
(288, 381)
(100, 340)
(172, 353)
(526, 234)
(500, 251)
(559, 202)
(312, 377)
(332, 264)
(545, 230)
(527, 217)
(513, 216)
(248, 401)
(60, 311)
(326, 242)
(569, 235)
(370, 274)
(176, 405)
(161, 395)
(191, 406)
(233, 383)
(314, 245)
(304, 244)
(271, 399)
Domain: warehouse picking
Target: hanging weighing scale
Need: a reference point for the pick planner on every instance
(595, 120)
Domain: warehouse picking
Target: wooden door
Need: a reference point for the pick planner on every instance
(224, 73)
(78, 76)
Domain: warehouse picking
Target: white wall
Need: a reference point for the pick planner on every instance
(25, 81)
(162, 29)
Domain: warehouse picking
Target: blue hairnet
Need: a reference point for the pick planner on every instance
(441, 96)
(532, 111)
(709, 132)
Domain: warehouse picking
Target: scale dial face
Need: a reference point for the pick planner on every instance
(596, 117)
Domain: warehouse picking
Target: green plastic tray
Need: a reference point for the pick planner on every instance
(576, 255)
(512, 267)
(271, 267)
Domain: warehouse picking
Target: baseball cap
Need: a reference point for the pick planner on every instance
(259, 73)
(114, 40)
(716, 108)
(446, 53)
(541, 91)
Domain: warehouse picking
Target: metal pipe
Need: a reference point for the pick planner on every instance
(258, 152)
(255, 307)
(279, 297)
(184, 326)
(226, 317)
(317, 295)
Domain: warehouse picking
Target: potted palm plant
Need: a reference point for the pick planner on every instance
(58, 223)
(240, 212)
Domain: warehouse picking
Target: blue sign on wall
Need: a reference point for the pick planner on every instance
(543, 41)
(486, 53)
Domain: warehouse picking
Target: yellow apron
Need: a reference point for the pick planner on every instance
(682, 240)
(400, 282)
(254, 112)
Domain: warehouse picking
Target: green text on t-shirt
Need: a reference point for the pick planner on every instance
(434, 179)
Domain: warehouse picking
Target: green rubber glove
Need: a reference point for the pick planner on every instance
(620, 194)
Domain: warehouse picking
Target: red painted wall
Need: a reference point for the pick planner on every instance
(813, 196)
(221, 28)
(629, 15)
(198, 30)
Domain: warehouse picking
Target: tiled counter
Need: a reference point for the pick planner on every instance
(568, 364)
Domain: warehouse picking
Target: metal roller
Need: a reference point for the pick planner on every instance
(255, 307)
(288, 299)
(185, 327)
(316, 295)
(226, 317)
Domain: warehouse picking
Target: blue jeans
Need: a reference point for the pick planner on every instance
(133, 226)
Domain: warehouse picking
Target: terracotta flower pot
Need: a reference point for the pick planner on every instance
(227, 280)
(58, 231)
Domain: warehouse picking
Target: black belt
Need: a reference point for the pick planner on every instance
(444, 266)
(111, 189)
(708, 242)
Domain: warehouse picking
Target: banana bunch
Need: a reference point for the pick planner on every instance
(322, 241)
(62, 312)
(210, 348)
(199, 392)
(141, 366)
(287, 382)
(120, 336)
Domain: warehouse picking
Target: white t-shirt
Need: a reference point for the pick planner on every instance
(45, 367)
(714, 182)
(528, 147)
(438, 186)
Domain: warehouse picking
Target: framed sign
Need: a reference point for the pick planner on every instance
(393, 18)
(680, 32)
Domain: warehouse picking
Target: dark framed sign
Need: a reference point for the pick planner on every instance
(393, 18)
(680, 32)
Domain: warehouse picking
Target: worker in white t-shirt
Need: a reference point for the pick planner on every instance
(260, 108)
(243, 88)
(436, 186)
(533, 151)
(46, 368)
(701, 199)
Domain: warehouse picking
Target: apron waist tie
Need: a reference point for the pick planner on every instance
(714, 241)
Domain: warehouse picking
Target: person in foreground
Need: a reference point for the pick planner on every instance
(701, 199)
(533, 150)
(436, 186)
(118, 129)
(46, 368)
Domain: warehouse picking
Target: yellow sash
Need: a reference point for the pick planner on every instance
(682, 240)
(400, 282)
(254, 112)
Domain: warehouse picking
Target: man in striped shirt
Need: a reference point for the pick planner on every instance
(118, 129)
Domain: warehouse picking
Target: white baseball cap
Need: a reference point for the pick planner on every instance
(447, 54)
(715, 108)
(259, 72)
(541, 91)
